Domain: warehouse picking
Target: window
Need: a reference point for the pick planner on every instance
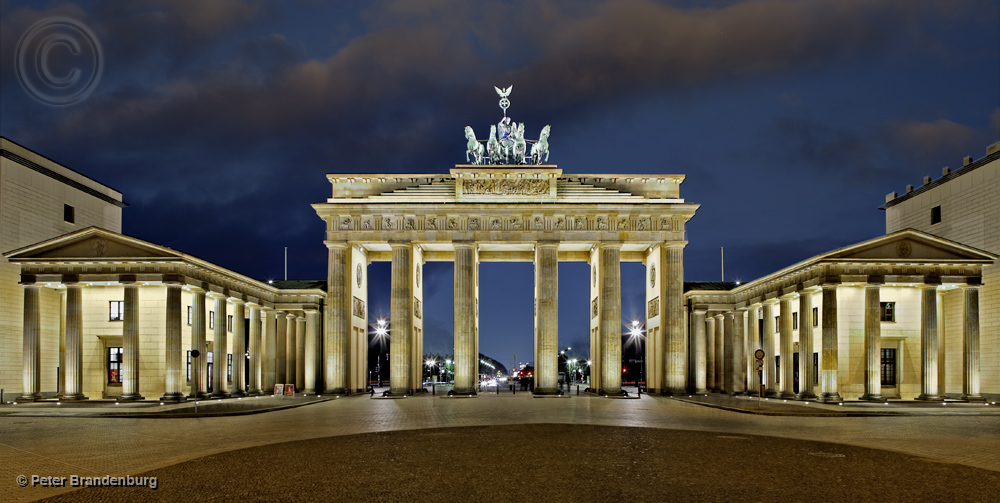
(888, 311)
(208, 378)
(795, 321)
(211, 320)
(936, 215)
(229, 323)
(815, 368)
(69, 214)
(190, 309)
(229, 367)
(888, 366)
(114, 365)
(117, 310)
(189, 364)
(777, 369)
(777, 324)
(815, 316)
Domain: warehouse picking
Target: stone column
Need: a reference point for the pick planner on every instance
(61, 383)
(873, 340)
(753, 344)
(466, 359)
(401, 322)
(787, 385)
(720, 352)
(280, 333)
(829, 357)
(806, 388)
(942, 382)
(239, 349)
(672, 321)
(338, 312)
(31, 356)
(770, 365)
(698, 343)
(928, 340)
(726, 386)
(220, 348)
(130, 343)
(256, 346)
(267, 365)
(709, 354)
(970, 344)
(291, 334)
(311, 363)
(739, 363)
(300, 352)
(174, 390)
(74, 342)
(611, 318)
(199, 364)
(547, 316)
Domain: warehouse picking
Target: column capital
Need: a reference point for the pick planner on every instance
(699, 311)
(675, 244)
(400, 244)
(789, 296)
(237, 301)
(337, 245)
(215, 295)
(290, 315)
(609, 244)
(718, 316)
(546, 244)
(465, 244)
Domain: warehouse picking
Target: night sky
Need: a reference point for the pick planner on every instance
(219, 119)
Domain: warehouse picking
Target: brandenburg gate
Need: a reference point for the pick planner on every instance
(504, 206)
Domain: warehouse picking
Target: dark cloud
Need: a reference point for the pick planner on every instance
(923, 139)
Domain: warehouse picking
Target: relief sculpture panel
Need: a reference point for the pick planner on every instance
(505, 187)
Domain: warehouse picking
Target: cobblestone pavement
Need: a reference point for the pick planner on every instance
(99, 446)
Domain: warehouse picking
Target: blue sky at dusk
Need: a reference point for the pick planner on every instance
(792, 120)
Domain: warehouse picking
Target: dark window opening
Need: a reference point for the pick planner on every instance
(211, 320)
(888, 311)
(777, 369)
(815, 316)
(229, 367)
(69, 214)
(114, 365)
(815, 368)
(189, 366)
(795, 321)
(935, 215)
(116, 310)
(189, 314)
(229, 323)
(888, 366)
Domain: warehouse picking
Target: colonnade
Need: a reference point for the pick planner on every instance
(292, 358)
(724, 340)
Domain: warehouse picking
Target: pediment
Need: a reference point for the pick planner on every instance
(93, 243)
(910, 245)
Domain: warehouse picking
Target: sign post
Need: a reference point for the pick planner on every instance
(759, 356)
(194, 360)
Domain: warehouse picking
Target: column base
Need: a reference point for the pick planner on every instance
(73, 397)
(872, 397)
(173, 397)
(335, 391)
(770, 394)
(29, 398)
(200, 395)
(254, 392)
(547, 391)
(827, 397)
(465, 391)
(785, 395)
(929, 398)
(219, 394)
(396, 392)
(237, 393)
(973, 398)
(132, 397)
(806, 395)
(310, 391)
(618, 392)
(669, 392)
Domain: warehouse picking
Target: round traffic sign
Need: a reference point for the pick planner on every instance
(195, 353)
(759, 354)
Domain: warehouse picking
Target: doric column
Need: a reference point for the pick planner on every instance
(291, 371)
(698, 343)
(300, 352)
(770, 364)
(31, 355)
(739, 361)
(720, 353)
(829, 392)
(174, 384)
(280, 333)
(239, 349)
(338, 297)
(199, 364)
(130, 342)
(727, 349)
(672, 320)
(267, 364)
(970, 345)
(401, 322)
(256, 346)
(74, 342)
(311, 363)
(547, 316)
(466, 359)
(787, 386)
(611, 318)
(220, 347)
(942, 388)
(710, 353)
(873, 340)
(929, 340)
(806, 377)
(61, 383)
(753, 344)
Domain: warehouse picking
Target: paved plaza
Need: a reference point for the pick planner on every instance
(716, 446)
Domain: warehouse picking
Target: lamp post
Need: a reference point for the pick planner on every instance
(381, 331)
(636, 337)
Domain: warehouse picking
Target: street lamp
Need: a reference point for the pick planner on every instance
(636, 336)
(381, 331)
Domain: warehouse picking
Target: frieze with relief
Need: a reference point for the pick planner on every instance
(505, 187)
